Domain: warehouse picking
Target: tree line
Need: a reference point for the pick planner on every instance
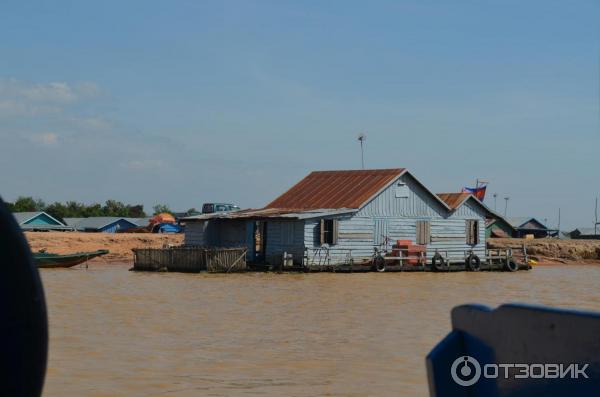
(73, 209)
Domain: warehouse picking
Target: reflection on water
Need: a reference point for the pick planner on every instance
(114, 332)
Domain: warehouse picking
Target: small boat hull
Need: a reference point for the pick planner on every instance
(47, 260)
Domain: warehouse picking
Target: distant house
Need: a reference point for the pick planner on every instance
(39, 221)
(524, 226)
(347, 212)
(585, 233)
(104, 224)
(498, 227)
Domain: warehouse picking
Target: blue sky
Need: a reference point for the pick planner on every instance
(182, 102)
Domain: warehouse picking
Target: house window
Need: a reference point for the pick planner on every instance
(423, 232)
(401, 190)
(329, 231)
(472, 231)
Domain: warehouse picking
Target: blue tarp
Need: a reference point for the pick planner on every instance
(168, 228)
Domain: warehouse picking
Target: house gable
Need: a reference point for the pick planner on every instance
(405, 197)
(42, 219)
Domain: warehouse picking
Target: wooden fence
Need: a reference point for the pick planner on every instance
(190, 259)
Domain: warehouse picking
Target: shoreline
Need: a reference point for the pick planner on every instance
(547, 252)
(119, 244)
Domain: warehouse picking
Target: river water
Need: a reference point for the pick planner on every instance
(120, 333)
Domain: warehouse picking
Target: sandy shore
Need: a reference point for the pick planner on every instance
(118, 244)
(549, 251)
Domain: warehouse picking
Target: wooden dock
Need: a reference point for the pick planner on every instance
(189, 259)
(194, 259)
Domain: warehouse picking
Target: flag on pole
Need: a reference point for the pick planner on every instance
(478, 191)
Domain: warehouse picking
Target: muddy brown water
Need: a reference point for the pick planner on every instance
(120, 333)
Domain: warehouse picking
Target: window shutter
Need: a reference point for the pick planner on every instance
(468, 231)
(322, 231)
(334, 236)
(472, 231)
(423, 232)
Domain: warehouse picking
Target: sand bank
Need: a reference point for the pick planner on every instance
(550, 251)
(119, 244)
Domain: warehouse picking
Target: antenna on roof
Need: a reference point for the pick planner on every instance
(596, 217)
(362, 137)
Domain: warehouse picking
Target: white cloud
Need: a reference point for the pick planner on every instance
(45, 139)
(15, 108)
(91, 123)
(51, 92)
(20, 98)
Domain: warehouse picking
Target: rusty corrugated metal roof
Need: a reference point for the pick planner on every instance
(454, 200)
(267, 213)
(336, 189)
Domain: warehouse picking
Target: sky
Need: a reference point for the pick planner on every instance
(185, 102)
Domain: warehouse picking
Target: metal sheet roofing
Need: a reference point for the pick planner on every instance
(335, 189)
(521, 221)
(272, 213)
(587, 231)
(454, 200)
(98, 222)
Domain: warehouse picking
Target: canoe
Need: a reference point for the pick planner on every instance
(46, 259)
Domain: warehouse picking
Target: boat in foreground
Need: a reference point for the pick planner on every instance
(46, 260)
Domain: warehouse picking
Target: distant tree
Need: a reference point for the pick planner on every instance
(28, 204)
(58, 211)
(136, 211)
(92, 210)
(73, 209)
(192, 211)
(114, 208)
(160, 208)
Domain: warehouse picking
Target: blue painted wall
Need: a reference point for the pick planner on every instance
(42, 219)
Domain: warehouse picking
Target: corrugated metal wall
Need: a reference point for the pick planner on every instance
(418, 203)
(194, 233)
(396, 217)
(284, 236)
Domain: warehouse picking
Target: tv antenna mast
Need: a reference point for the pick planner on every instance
(362, 137)
(596, 223)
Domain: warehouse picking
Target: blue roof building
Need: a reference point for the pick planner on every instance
(39, 221)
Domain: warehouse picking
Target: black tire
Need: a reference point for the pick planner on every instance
(473, 263)
(510, 265)
(437, 263)
(379, 264)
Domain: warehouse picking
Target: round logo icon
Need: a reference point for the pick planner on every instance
(465, 371)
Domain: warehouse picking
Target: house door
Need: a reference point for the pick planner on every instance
(260, 241)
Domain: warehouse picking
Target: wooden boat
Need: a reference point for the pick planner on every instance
(45, 259)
